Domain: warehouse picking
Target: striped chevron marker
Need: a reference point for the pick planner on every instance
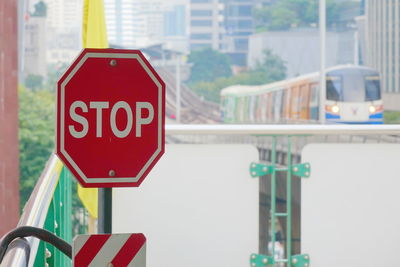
(115, 250)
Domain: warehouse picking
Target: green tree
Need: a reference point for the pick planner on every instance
(40, 9)
(54, 73)
(208, 65)
(270, 69)
(36, 143)
(36, 136)
(282, 14)
(391, 117)
(34, 82)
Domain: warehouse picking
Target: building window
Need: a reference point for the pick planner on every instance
(237, 33)
(245, 24)
(240, 11)
(201, 13)
(201, 23)
(200, 1)
(201, 36)
(241, 44)
(199, 46)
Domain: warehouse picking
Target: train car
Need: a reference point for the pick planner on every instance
(353, 96)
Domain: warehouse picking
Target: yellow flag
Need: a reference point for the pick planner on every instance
(94, 35)
(88, 196)
(94, 32)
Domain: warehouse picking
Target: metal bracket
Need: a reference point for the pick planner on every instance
(260, 169)
(258, 260)
(302, 260)
(302, 169)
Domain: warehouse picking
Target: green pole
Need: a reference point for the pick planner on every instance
(289, 204)
(273, 196)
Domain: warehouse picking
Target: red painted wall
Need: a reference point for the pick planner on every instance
(9, 155)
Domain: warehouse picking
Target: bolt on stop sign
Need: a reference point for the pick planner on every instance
(110, 118)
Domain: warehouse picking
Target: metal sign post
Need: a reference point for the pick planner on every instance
(104, 224)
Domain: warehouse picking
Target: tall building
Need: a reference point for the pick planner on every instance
(63, 29)
(206, 24)
(135, 23)
(35, 46)
(382, 24)
(9, 150)
(174, 21)
(64, 14)
(239, 25)
(176, 30)
(119, 21)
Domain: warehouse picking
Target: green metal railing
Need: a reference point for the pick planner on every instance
(49, 207)
(58, 221)
(262, 169)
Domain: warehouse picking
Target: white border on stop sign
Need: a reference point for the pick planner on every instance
(62, 111)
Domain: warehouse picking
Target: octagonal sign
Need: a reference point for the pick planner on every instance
(110, 118)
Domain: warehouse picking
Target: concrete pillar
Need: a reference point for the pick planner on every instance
(9, 155)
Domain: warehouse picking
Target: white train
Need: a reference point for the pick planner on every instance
(353, 95)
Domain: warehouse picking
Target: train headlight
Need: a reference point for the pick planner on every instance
(372, 109)
(335, 109)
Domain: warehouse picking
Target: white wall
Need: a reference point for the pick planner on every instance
(198, 207)
(350, 205)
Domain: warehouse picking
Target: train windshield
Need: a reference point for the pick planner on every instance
(352, 86)
(334, 88)
(372, 88)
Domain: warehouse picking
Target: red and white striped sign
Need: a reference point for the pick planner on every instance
(105, 250)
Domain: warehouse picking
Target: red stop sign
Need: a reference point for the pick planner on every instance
(110, 118)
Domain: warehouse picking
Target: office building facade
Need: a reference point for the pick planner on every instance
(63, 30)
(382, 45)
(142, 23)
(239, 25)
(35, 46)
(206, 24)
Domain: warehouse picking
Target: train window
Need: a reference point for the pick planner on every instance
(287, 103)
(372, 88)
(314, 101)
(259, 108)
(354, 85)
(277, 106)
(305, 101)
(283, 97)
(295, 103)
(334, 90)
(314, 94)
(252, 107)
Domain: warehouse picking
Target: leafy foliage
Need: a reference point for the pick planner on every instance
(40, 9)
(271, 69)
(36, 136)
(391, 117)
(54, 73)
(284, 14)
(34, 81)
(208, 65)
(272, 66)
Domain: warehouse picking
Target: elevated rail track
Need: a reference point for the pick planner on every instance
(193, 108)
